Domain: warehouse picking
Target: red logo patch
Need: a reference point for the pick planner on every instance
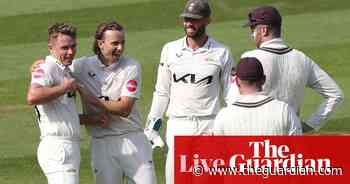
(131, 86)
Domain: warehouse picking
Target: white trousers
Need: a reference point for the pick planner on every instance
(116, 156)
(183, 126)
(59, 159)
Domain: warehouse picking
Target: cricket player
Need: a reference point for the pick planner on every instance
(52, 91)
(288, 70)
(120, 149)
(254, 113)
(193, 75)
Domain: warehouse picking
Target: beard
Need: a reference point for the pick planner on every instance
(197, 33)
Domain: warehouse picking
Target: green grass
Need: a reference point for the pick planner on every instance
(317, 27)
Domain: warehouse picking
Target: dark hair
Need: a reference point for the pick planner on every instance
(61, 28)
(101, 29)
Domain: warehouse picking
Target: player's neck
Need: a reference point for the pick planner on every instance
(248, 90)
(265, 39)
(105, 61)
(195, 43)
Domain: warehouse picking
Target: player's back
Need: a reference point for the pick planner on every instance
(287, 74)
(254, 115)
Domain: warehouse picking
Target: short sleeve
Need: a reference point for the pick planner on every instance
(132, 84)
(41, 76)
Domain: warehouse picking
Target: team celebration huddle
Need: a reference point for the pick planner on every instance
(199, 89)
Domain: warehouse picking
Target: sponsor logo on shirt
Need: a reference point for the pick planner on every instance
(131, 85)
(179, 54)
(192, 78)
(91, 74)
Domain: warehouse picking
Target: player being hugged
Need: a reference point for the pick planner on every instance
(118, 145)
(52, 92)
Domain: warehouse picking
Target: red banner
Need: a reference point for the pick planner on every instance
(262, 159)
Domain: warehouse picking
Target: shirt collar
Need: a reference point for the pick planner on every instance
(208, 44)
(252, 98)
(51, 58)
(276, 43)
(110, 67)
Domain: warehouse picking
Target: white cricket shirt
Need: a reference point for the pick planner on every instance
(122, 78)
(58, 117)
(190, 83)
(257, 115)
(288, 71)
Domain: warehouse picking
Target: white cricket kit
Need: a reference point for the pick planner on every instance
(122, 148)
(257, 115)
(190, 83)
(58, 152)
(122, 78)
(287, 72)
(189, 86)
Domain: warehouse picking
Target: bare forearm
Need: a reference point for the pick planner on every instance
(87, 119)
(121, 107)
(40, 95)
(89, 97)
(100, 119)
(117, 107)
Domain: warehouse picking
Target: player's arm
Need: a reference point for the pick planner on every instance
(121, 107)
(100, 119)
(320, 81)
(42, 89)
(39, 94)
(294, 124)
(160, 101)
(161, 94)
(226, 78)
(36, 65)
(130, 92)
